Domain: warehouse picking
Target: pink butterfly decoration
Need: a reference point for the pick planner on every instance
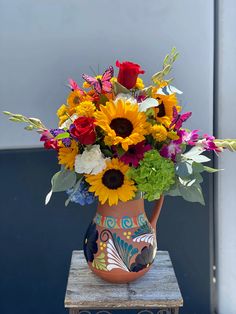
(74, 86)
(102, 84)
(179, 119)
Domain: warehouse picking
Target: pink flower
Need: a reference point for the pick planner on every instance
(171, 150)
(208, 143)
(189, 138)
(49, 141)
(135, 153)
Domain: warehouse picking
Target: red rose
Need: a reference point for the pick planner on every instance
(83, 129)
(128, 73)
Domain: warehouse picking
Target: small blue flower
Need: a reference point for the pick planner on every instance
(82, 195)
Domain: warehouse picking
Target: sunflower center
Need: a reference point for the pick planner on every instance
(113, 179)
(122, 126)
(161, 112)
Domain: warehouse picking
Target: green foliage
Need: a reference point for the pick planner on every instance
(118, 88)
(188, 180)
(33, 123)
(229, 144)
(154, 176)
(168, 62)
(61, 181)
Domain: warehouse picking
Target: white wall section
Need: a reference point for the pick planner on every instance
(45, 42)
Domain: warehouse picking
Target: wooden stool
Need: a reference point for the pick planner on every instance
(157, 289)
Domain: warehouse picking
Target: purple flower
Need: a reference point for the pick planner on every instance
(135, 153)
(189, 138)
(65, 141)
(208, 143)
(171, 150)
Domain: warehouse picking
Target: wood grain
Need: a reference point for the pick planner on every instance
(157, 289)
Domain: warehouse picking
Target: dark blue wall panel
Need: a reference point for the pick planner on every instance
(36, 241)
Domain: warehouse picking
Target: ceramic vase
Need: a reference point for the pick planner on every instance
(120, 243)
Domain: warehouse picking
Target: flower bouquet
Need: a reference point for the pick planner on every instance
(118, 141)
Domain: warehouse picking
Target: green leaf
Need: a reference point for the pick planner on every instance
(211, 170)
(15, 119)
(184, 169)
(63, 180)
(118, 88)
(29, 127)
(62, 135)
(8, 113)
(106, 152)
(192, 193)
(103, 99)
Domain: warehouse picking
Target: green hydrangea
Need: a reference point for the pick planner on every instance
(154, 176)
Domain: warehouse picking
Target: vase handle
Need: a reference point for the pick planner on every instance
(156, 211)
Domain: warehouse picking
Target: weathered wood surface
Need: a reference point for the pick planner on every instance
(158, 288)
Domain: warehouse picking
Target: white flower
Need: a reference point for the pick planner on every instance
(90, 161)
(147, 103)
(126, 97)
(68, 122)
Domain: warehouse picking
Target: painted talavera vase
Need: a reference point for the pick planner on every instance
(120, 243)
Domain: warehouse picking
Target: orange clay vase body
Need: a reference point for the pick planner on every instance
(120, 243)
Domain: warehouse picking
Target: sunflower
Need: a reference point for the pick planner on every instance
(66, 155)
(164, 112)
(122, 122)
(112, 184)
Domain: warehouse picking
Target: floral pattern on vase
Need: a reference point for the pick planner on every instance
(90, 242)
(120, 244)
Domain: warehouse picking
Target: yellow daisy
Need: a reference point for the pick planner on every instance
(122, 123)
(85, 108)
(74, 98)
(112, 184)
(139, 83)
(159, 132)
(66, 155)
(62, 114)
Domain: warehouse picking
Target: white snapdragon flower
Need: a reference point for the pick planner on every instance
(69, 121)
(91, 161)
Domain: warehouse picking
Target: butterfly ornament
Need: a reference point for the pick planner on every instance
(102, 84)
(179, 119)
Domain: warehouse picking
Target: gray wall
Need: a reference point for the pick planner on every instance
(225, 192)
(45, 42)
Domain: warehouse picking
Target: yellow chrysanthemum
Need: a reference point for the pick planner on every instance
(62, 114)
(66, 155)
(139, 83)
(173, 135)
(85, 109)
(112, 184)
(122, 123)
(159, 132)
